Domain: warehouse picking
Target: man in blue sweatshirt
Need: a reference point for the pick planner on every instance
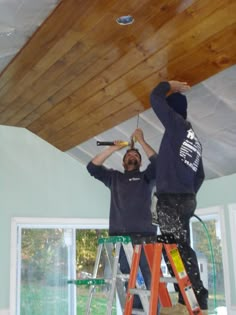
(130, 202)
(179, 175)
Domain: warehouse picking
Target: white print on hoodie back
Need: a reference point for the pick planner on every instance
(191, 150)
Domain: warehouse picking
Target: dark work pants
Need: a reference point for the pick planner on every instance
(143, 264)
(174, 212)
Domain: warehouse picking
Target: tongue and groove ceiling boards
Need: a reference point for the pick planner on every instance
(72, 75)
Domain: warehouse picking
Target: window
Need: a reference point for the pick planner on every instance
(44, 259)
(87, 243)
(207, 242)
(232, 262)
(45, 264)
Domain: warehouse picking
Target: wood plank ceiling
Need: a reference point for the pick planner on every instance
(81, 73)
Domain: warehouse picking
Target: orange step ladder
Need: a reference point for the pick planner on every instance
(153, 247)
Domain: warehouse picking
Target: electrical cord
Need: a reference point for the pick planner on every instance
(212, 258)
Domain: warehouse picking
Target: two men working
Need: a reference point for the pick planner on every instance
(178, 173)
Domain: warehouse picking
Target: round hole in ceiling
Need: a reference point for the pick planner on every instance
(125, 20)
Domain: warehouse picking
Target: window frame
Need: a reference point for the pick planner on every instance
(27, 222)
(232, 224)
(220, 211)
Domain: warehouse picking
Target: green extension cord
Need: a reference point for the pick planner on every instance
(212, 259)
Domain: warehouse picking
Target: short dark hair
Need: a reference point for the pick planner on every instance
(136, 150)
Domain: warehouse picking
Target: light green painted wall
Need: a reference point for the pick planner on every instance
(37, 180)
(217, 192)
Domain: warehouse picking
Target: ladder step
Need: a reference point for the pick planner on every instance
(114, 239)
(123, 276)
(87, 281)
(162, 279)
(97, 281)
(140, 292)
(168, 280)
(138, 311)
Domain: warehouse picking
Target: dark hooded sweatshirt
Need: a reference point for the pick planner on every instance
(179, 164)
(130, 198)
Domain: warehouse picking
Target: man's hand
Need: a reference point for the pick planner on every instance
(119, 144)
(100, 158)
(137, 135)
(177, 86)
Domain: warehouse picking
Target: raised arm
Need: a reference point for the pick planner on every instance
(178, 86)
(158, 99)
(138, 135)
(100, 158)
(96, 168)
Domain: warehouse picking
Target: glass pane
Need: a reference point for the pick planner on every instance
(44, 272)
(86, 246)
(206, 241)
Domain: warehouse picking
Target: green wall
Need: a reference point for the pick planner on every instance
(218, 192)
(37, 180)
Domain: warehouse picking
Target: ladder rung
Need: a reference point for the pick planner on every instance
(140, 292)
(87, 281)
(138, 311)
(114, 239)
(168, 280)
(123, 276)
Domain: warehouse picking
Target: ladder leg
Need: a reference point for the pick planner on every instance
(132, 280)
(119, 281)
(95, 271)
(183, 280)
(113, 280)
(140, 282)
(164, 296)
(155, 271)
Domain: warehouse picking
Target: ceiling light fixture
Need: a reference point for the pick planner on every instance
(125, 20)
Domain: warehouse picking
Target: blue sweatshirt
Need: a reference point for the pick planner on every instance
(130, 198)
(179, 164)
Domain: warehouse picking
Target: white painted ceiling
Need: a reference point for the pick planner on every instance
(212, 112)
(18, 21)
(212, 103)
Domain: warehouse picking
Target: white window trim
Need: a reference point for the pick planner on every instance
(232, 224)
(77, 223)
(220, 211)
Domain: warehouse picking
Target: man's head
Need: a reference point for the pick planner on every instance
(178, 102)
(132, 160)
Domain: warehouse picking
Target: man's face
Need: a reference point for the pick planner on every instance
(132, 161)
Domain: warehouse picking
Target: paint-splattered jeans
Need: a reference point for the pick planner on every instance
(174, 212)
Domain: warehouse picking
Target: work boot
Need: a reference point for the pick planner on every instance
(177, 309)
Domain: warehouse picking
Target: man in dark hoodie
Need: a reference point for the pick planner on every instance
(179, 175)
(130, 202)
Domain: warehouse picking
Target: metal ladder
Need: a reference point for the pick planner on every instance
(112, 246)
